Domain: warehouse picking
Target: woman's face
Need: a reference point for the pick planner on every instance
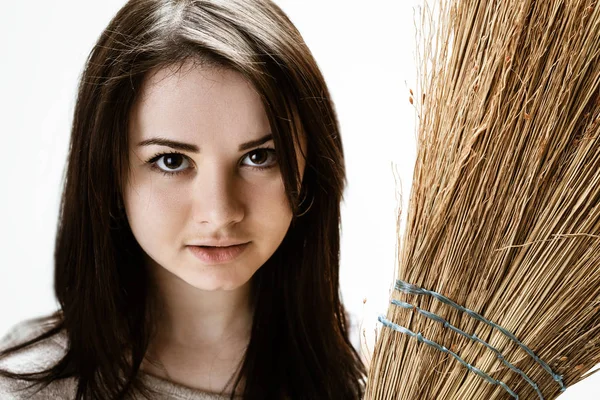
(208, 186)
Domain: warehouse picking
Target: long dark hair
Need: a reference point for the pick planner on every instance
(299, 346)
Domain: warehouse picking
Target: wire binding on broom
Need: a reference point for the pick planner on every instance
(443, 349)
(414, 289)
(474, 337)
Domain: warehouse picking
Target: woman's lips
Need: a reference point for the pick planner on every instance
(218, 255)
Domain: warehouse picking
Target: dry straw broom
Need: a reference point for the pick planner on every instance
(498, 291)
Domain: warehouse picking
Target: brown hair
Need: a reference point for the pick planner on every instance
(299, 344)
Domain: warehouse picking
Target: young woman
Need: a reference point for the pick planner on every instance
(197, 251)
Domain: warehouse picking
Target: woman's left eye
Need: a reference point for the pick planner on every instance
(262, 151)
(168, 163)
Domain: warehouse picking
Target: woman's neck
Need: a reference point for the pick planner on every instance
(201, 336)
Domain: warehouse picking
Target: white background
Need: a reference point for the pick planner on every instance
(366, 56)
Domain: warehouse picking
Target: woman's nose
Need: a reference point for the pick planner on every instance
(217, 197)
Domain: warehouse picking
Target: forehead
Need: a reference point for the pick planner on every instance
(194, 79)
(197, 99)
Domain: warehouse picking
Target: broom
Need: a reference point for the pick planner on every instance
(498, 283)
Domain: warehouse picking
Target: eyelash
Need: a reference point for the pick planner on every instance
(152, 161)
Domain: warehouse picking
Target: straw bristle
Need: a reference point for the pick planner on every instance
(504, 214)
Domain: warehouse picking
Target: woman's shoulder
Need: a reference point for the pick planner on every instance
(40, 354)
(47, 352)
(37, 357)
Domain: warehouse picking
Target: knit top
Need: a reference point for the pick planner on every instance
(47, 352)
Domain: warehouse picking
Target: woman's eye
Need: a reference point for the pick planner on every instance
(172, 161)
(169, 163)
(259, 156)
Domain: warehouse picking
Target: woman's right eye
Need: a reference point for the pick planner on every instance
(167, 163)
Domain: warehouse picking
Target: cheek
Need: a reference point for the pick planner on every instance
(270, 211)
(270, 198)
(151, 212)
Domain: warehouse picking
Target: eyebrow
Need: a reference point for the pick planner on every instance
(192, 148)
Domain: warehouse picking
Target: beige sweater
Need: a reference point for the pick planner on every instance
(48, 352)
